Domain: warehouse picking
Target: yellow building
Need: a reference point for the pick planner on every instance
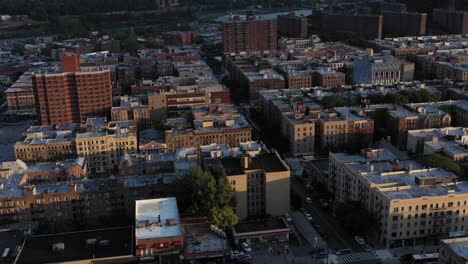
(105, 143)
(411, 203)
(261, 183)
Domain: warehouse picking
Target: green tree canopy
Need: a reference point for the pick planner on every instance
(199, 192)
(443, 162)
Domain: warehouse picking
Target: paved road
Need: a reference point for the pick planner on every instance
(307, 230)
(338, 238)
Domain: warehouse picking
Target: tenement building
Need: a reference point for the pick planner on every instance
(261, 183)
(221, 124)
(411, 203)
(105, 142)
(20, 95)
(72, 94)
(47, 143)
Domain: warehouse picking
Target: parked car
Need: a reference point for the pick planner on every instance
(246, 247)
(360, 240)
(406, 257)
(287, 217)
(236, 254)
(308, 200)
(308, 216)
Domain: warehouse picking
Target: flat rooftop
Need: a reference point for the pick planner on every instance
(260, 226)
(82, 245)
(459, 246)
(157, 218)
(268, 162)
(202, 242)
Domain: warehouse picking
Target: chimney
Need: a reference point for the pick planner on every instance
(70, 62)
(245, 162)
(213, 108)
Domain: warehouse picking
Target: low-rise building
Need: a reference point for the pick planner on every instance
(158, 230)
(450, 141)
(453, 251)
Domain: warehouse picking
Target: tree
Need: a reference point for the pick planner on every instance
(130, 43)
(332, 101)
(199, 192)
(223, 217)
(443, 162)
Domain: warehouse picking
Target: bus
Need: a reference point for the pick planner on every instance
(425, 258)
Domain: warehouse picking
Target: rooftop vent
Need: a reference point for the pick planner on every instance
(58, 247)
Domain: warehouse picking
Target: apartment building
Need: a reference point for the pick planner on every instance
(453, 251)
(47, 143)
(300, 130)
(313, 42)
(329, 78)
(20, 95)
(132, 110)
(292, 26)
(451, 64)
(253, 78)
(261, 183)
(450, 141)
(411, 203)
(82, 202)
(104, 143)
(250, 36)
(72, 94)
(415, 116)
(370, 26)
(221, 124)
(452, 21)
(404, 23)
(184, 98)
(407, 45)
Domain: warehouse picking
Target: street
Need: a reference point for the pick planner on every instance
(338, 238)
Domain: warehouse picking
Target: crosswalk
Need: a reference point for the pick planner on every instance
(358, 258)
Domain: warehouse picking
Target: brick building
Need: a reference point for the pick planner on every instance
(214, 124)
(71, 95)
(329, 78)
(292, 26)
(250, 36)
(370, 26)
(20, 95)
(451, 21)
(404, 24)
